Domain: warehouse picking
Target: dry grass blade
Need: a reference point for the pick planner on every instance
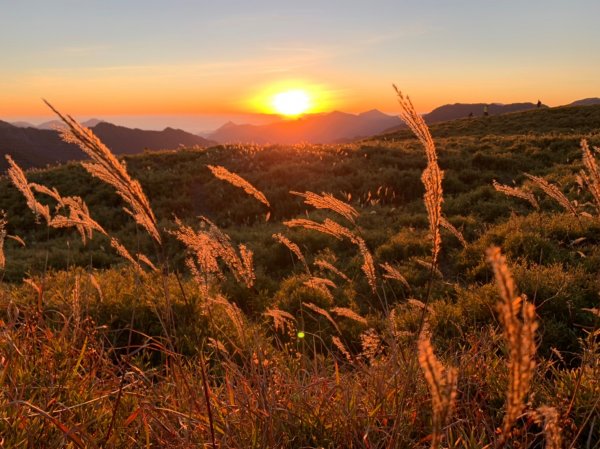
(292, 247)
(324, 265)
(549, 418)
(122, 251)
(444, 223)
(281, 319)
(517, 193)
(338, 344)
(328, 202)
(350, 314)
(368, 265)
(78, 212)
(210, 244)
(442, 386)
(237, 181)
(3, 223)
(340, 232)
(79, 217)
(392, 273)
(329, 227)
(591, 175)
(519, 325)
(321, 285)
(18, 178)
(107, 168)
(553, 192)
(432, 175)
(322, 312)
(17, 239)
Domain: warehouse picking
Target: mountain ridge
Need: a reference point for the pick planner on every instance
(33, 147)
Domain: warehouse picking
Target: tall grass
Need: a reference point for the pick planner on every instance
(320, 367)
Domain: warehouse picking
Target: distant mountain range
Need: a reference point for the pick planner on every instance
(38, 146)
(33, 147)
(337, 127)
(315, 128)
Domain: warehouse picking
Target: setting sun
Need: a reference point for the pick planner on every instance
(292, 102)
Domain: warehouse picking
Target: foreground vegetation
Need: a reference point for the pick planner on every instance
(320, 321)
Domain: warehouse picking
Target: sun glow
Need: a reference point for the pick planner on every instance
(292, 102)
(291, 98)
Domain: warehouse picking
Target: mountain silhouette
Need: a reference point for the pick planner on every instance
(124, 140)
(32, 147)
(586, 102)
(315, 128)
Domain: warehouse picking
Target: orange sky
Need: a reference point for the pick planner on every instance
(141, 58)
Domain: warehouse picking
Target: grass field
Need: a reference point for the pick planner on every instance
(409, 309)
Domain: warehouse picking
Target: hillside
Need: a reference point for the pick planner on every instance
(560, 120)
(324, 340)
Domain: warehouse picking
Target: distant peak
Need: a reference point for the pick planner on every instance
(371, 113)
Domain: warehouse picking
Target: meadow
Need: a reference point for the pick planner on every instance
(424, 288)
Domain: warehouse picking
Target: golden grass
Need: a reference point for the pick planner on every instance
(237, 181)
(106, 167)
(517, 193)
(432, 175)
(329, 202)
(442, 386)
(246, 386)
(519, 324)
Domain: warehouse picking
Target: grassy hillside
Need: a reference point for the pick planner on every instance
(307, 355)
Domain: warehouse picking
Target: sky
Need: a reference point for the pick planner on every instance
(201, 62)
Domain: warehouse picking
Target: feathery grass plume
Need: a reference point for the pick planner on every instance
(210, 244)
(122, 251)
(323, 312)
(79, 217)
(321, 285)
(324, 265)
(591, 174)
(517, 193)
(3, 223)
(370, 342)
(18, 178)
(144, 259)
(237, 181)
(107, 168)
(292, 247)
(340, 232)
(328, 202)
(442, 386)
(432, 175)
(429, 266)
(349, 313)
(368, 266)
(17, 239)
(96, 285)
(519, 333)
(444, 223)
(392, 273)
(329, 227)
(338, 344)
(282, 320)
(553, 192)
(234, 314)
(78, 212)
(549, 417)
